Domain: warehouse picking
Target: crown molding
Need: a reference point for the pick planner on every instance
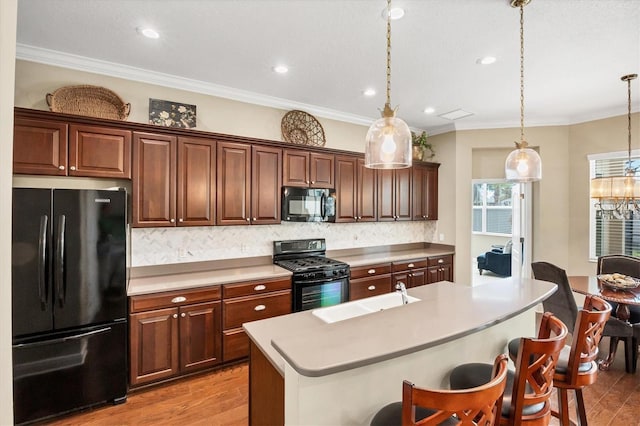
(111, 69)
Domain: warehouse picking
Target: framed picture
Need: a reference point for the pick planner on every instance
(171, 114)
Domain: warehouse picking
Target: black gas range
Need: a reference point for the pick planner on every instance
(317, 280)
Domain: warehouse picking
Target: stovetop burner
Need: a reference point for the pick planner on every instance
(304, 256)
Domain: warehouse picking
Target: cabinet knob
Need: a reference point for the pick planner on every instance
(172, 220)
(260, 287)
(181, 220)
(175, 315)
(183, 315)
(306, 181)
(254, 219)
(371, 271)
(371, 287)
(260, 308)
(248, 219)
(72, 168)
(61, 167)
(313, 181)
(178, 299)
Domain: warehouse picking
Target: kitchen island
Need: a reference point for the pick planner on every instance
(304, 370)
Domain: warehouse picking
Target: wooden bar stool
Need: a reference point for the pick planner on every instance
(527, 392)
(476, 406)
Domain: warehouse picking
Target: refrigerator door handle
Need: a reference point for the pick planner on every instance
(42, 261)
(59, 261)
(62, 339)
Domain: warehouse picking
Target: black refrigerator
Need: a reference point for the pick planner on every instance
(69, 300)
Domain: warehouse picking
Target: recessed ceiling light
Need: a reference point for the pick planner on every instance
(429, 110)
(395, 13)
(149, 32)
(487, 60)
(281, 69)
(369, 92)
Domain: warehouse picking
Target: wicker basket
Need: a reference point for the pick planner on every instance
(302, 128)
(92, 101)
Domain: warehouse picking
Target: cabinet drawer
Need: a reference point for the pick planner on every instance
(370, 270)
(173, 298)
(409, 264)
(367, 287)
(235, 344)
(440, 260)
(252, 288)
(235, 312)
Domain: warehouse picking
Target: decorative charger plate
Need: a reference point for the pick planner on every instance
(302, 128)
(91, 101)
(619, 281)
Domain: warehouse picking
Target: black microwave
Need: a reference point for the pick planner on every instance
(308, 204)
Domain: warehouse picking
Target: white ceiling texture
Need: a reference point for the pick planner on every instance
(575, 53)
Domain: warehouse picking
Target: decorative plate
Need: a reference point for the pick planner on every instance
(302, 128)
(619, 281)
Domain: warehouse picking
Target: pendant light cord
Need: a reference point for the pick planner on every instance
(629, 117)
(522, 141)
(389, 53)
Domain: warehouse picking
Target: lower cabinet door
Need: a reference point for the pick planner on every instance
(154, 345)
(200, 339)
(367, 287)
(235, 343)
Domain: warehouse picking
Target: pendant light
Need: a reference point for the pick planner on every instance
(523, 164)
(388, 143)
(619, 196)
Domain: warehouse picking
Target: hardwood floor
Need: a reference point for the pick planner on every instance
(220, 398)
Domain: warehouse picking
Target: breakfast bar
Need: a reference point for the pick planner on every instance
(339, 365)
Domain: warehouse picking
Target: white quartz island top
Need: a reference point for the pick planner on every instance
(445, 312)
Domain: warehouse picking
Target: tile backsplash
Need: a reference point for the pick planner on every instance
(157, 246)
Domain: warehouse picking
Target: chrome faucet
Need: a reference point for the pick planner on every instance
(403, 292)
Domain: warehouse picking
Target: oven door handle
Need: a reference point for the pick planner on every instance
(322, 280)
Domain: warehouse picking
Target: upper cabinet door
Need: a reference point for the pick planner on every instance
(40, 147)
(402, 193)
(266, 181)
(321, 170)
(99, 152)
(154, 179)
(432, 192)
(367, 193)
(296, 168)
(346, 189)
(234, 184)
(196, 181)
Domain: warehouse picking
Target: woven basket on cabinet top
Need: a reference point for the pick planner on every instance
(92, 101)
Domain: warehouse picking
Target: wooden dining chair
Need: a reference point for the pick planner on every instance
(477, 406)
(581, 369)
(528, 390)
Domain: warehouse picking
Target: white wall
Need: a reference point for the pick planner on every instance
(8, 20)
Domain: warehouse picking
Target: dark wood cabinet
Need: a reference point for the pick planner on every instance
(411, 272)
(47, 147)
(394, 194)
(355, 190)
(173, 333)
(249, 181)
(425, 191)
(440, 268)
(370, 280)
(173, 180)
(250, 301)
(308, 169)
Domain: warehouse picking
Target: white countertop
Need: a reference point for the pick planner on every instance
(445, 312)
(391, 256)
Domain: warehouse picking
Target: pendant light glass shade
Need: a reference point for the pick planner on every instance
(388, 144)
(523, 165)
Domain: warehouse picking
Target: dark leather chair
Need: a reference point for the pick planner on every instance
(615, 328)
(426, 407)
(495, 261)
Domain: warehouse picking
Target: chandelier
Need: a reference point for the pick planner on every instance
(523, 163)
(619, 196)
(388, 142)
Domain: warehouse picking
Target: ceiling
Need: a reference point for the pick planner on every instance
(575, 53)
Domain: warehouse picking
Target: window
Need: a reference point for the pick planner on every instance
(610, 234)
(491, 208)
